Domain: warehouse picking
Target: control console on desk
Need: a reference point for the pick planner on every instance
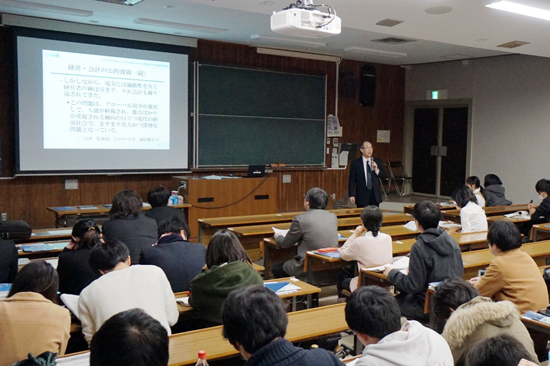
(227, 196)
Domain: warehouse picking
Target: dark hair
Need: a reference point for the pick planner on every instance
(373, 311)
(462, 195)
(492, 179)
(317, 198)
(37, 276)
(131, 338)
(372, 218)
(225, 247)
(126, 203)
(543, 185)
(502, 350)
(450, 294)
(427, 214)
(505, 235)
(105, 256)
(253, 316)
(87, 232)
(474, 181)
(175, 225)
(158, 196)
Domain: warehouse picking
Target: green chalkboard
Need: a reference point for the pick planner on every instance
(254, 117)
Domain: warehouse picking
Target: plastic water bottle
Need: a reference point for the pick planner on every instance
(202, 359)
(174, 199)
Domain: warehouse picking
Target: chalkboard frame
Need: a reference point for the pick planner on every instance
(316, 146)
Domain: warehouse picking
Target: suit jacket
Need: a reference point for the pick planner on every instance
(180, 260)
(164, 213)
(137, 233)
(8, 261)
(74, 271)
(358, 185)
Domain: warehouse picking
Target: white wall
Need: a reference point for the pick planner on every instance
(510, 115)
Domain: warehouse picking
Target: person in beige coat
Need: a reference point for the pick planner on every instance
(512, 275)
(471, 318)
(30, 321)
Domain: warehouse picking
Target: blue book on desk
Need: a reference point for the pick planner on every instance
(65, 208)
(329, 254)
(58, 246)
(36, 248)
(275, 286)
(341, 237)
(5, 287)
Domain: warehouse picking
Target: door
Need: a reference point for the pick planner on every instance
(439, 149)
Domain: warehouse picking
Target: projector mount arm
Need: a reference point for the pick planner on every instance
(308, 5)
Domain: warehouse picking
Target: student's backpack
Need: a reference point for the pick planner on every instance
(15, 229)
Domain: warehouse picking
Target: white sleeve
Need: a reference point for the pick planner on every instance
(171, 306)
(88, 324)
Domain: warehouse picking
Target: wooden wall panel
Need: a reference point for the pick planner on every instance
(26, 198)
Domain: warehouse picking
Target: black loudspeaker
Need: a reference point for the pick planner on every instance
(367, 88)
(348, 84)
(1, 163)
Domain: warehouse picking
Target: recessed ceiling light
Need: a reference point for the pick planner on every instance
(513, 44)
(52, 8)
(519, 9)
(122, 2)
(168, 6)
(389, 22)
(187, 27)
(439, 10)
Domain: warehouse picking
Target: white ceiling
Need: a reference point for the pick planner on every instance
(470, 30)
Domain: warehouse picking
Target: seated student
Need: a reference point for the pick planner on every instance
(542, 213)
(130, 338)
(472, 216)
(494, 191)
(512, 274)
(228, 268)
(371, 249)
(502, 350)
(127, 224)
(158, 199)
(475, 185)
(434, 257)
(30, 321)
(122, 287)
(372, 313)
(8, 261)
(178, 258)
(254, 322)
(73, 267)
(471, 318)
(314, 229)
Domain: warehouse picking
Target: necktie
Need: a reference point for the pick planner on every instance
(369, 176)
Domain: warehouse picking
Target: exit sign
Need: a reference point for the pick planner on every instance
(436, 94)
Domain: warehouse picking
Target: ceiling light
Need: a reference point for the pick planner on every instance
(300, 42)
(370, 51)
(52, 8)
(122, 2)
(285, 53)
(187, 27)
(519, 9)
(389, 22)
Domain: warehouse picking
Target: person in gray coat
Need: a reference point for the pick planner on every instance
(494, 192)
(314, 229)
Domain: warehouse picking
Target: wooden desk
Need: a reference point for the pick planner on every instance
(208, 226)
(515, 220)
(489, 211)
(45, 253)
(42, 235)
(540, 231)
(99, 210)
(409, 208)
(302, 325)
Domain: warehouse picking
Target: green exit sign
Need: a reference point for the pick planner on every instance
(435, 94)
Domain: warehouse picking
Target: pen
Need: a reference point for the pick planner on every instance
(530, 201)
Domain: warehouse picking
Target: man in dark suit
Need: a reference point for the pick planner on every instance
(8, 261)
(180, 260)
(364, 174)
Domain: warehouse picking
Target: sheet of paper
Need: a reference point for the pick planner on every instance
(71, 302)
(411, 226)
(279, 231)
(60, 232)
(448, 224)
(288, 289)
(518, 214)
(183, 300)
(82, 359)
(344, 158)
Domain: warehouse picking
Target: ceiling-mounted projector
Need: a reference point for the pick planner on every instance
(303, 19)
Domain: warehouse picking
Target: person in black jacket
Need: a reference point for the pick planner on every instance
(254, 322)
(180, 260)
(8, 261)
(129, 225)
(364, 182)
(73, 267)
(434, 257)
(542, 213)
(158, 198)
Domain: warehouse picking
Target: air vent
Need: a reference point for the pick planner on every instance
(513, 44)
(122, 2)
(389, 22)
(393, 40)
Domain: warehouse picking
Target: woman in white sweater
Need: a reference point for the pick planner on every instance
(367, 245)
(474, 184)
(472, 216)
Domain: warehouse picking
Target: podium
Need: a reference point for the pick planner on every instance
(227, 197)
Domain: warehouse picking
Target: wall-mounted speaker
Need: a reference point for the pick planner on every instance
(367, 88)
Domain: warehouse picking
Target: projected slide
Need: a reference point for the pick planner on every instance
(104, 102)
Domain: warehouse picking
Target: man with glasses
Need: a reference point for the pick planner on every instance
(364, 174)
